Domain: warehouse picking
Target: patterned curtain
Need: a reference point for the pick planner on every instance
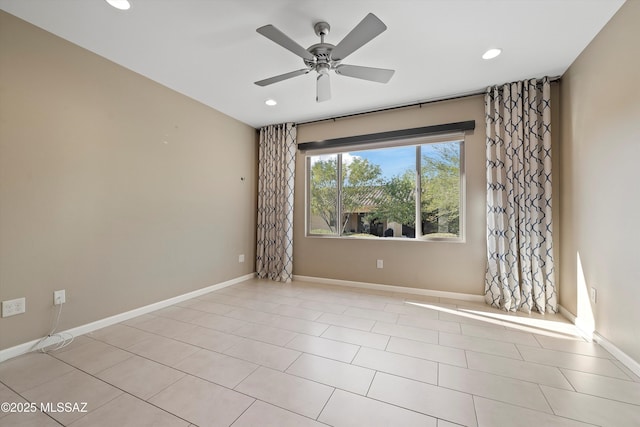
(276, 173)
(520, 267)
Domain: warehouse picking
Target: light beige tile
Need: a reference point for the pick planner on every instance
(381, 316)
(138, 319)
(266, 334)
(299, 395)
(576, 346)
(498, 414)
(501, 334)
(74, 387)
(353, 336)
(264, 415)
(201, 402)
(398, 364)
(31, 419)
(263, 354)
(527, 371)
(370, 303)
(492, 386)
(324, 307)
(425, 398)
(219, 323)
(140, 377)
(591, 409)
(436, 325)
(443, 423)
(163, 350)
(93, 356)
(128, 411)
(176, 312)
(414, 309)
(626, 370)
(120, 335)
(577, 362)
(218, 368)
(207, 306)
(409, 332)
(467, 318)
(481, 345)
(423, 350)
(332, 373)
(8, 396)
(598, 385)
(165, 326)
(350, 410)
(298, 325)
(243, 302)
(324, 347)
(30, 370)
(76, 342)
(249, 315)
(208, 338)
(297, 312)
(347, 321)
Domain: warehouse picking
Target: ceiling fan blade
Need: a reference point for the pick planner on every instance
(277, 36)
(368, 29)
(281, 77)
(323, 88)
(380, 75)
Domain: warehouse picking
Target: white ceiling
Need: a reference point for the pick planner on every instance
(209, 49)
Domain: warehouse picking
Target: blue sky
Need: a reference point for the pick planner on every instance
(393, 161)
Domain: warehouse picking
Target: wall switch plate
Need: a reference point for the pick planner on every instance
(59, 297)
(13, 307)
(241, 258)
(594, 295)
(380, 263)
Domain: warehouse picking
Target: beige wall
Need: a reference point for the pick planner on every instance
(452, 267)
(91, 198)
(600, 197)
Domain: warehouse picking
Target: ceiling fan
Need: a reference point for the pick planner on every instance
(323, 57)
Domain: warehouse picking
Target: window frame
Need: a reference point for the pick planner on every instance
(417, 142)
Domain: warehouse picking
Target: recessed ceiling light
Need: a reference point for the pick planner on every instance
(491, 53)
(119, 4)
(271, 102)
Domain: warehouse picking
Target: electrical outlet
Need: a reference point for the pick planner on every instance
(13, 307)
(594, 295)
(241, 258)
(59, 297)
(380, 263)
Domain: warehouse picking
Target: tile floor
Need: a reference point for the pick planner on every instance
(266, 354)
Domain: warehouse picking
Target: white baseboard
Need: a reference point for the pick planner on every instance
(623, 357)
(391, 288)
(19, 349)
(590, 335)
(585, 330)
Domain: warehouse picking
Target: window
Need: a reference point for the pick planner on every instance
(411, 189)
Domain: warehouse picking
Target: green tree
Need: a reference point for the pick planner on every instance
(359, 177)
(440, 183)
(324, 190)
(397, 202)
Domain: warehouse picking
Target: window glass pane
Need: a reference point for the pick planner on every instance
(323, 194)
(440, 181)
(378, 194)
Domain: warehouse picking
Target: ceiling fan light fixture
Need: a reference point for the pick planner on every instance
(119, 4)
(271, 102)
(491, 53)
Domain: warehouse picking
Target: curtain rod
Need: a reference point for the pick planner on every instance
(415, 104)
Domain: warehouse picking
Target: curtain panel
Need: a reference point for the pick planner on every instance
(276, 175)
(520, 267)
